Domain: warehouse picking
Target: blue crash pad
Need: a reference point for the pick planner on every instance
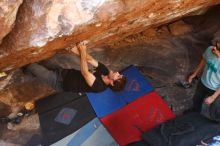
(92, 134)
(106, 102)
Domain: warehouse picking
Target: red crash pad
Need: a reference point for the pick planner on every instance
(127, 123)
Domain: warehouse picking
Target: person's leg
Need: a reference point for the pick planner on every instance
(45, 75)
(215, 110)
(201, 93)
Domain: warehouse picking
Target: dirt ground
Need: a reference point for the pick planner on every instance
(163, 61)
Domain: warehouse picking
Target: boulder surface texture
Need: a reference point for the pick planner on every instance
(43, 27)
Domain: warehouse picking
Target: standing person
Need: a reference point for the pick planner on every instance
(208, 88)
(80, 80)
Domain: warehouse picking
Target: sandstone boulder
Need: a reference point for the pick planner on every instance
(44, 27)
(180, 28)
(4, 109)
(8, 12)
(216, 37)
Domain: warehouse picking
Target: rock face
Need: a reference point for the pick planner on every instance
(4, 109)
(43, 27)
(216, 37)
(22, 89)
(8, 11)
(179, 28)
